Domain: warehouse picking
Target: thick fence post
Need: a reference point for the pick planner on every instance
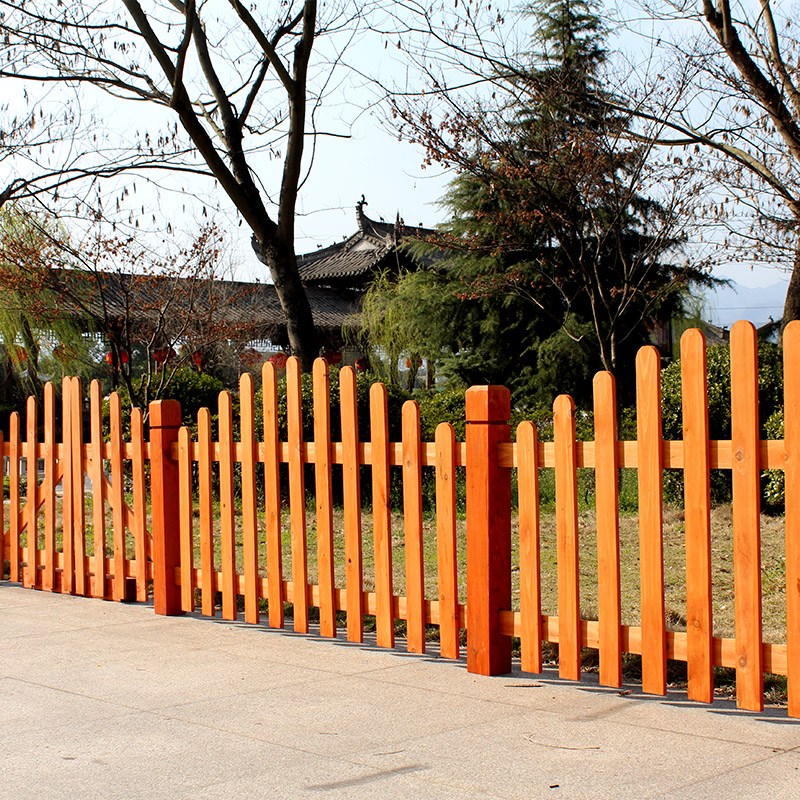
(165, 421)
(488, 530)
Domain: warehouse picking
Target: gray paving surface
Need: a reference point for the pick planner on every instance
(102, 700)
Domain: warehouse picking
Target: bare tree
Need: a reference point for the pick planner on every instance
(111, 299)
(236, 81)
(723, 81)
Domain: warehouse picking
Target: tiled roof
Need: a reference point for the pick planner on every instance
(245, 307)
(360, 253)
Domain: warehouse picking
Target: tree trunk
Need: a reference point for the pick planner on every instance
(791, 307)
(282, 263)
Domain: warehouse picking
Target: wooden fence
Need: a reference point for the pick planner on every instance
(212, 539)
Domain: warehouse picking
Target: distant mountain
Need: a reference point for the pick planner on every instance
(727, 304)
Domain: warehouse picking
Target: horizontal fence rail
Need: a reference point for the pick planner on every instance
(237, 520)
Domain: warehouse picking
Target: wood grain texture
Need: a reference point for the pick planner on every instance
(609, 606)
(651, 547)
(412, 521)
(297, 493)
(141, 542)
(352, 505)
(697, 515)
(791, 439)
(381, 514)
(324, 498)
(186, 514)
(31, 496)
(569, 647)
(49, 490)
(746, 471)
(118, 497)
(530, 595)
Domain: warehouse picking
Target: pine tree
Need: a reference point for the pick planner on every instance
(561, 262)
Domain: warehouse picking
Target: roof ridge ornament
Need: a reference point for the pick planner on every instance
(361, 217)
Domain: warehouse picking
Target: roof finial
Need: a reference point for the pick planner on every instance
(361, 217)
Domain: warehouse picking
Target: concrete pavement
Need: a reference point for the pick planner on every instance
(103, 700)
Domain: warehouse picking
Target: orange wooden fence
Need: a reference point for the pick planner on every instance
(212, 543)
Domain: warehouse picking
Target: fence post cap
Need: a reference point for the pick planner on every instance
(488, 404)
(165, 414)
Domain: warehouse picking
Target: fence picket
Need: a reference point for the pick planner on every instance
(530, 595)
(247, 433)
(98, 489)
(412, 517)
(297, 493)
(651, 549)
(381, 514)
(488, 455)
(67, 573)
(697, 515)
(272, 494)
(226, 507)
(15, 451)
(569, 640)
(446, 540)
(5, 540)
(117, 496)
(205, 499)
(49, 489)
(746, 516)
(186, 512)
(78, 504)
(791, 437)
(31, 496)
(352, 505)
(609, 612)
(140, 538)
(324, 498)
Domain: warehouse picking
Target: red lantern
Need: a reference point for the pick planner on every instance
(163, 355)
(111, 358)
(279, 360)
(20, 355)
(197, 359)
(361, 364)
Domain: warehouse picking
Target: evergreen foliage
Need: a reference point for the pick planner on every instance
(554, 263)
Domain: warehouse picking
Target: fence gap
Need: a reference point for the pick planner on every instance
(272, 494)
(247, 434)
(530, 571)
(226, 506)
(205, 499)
(297, 493)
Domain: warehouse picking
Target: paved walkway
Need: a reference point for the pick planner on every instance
(102, 700)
